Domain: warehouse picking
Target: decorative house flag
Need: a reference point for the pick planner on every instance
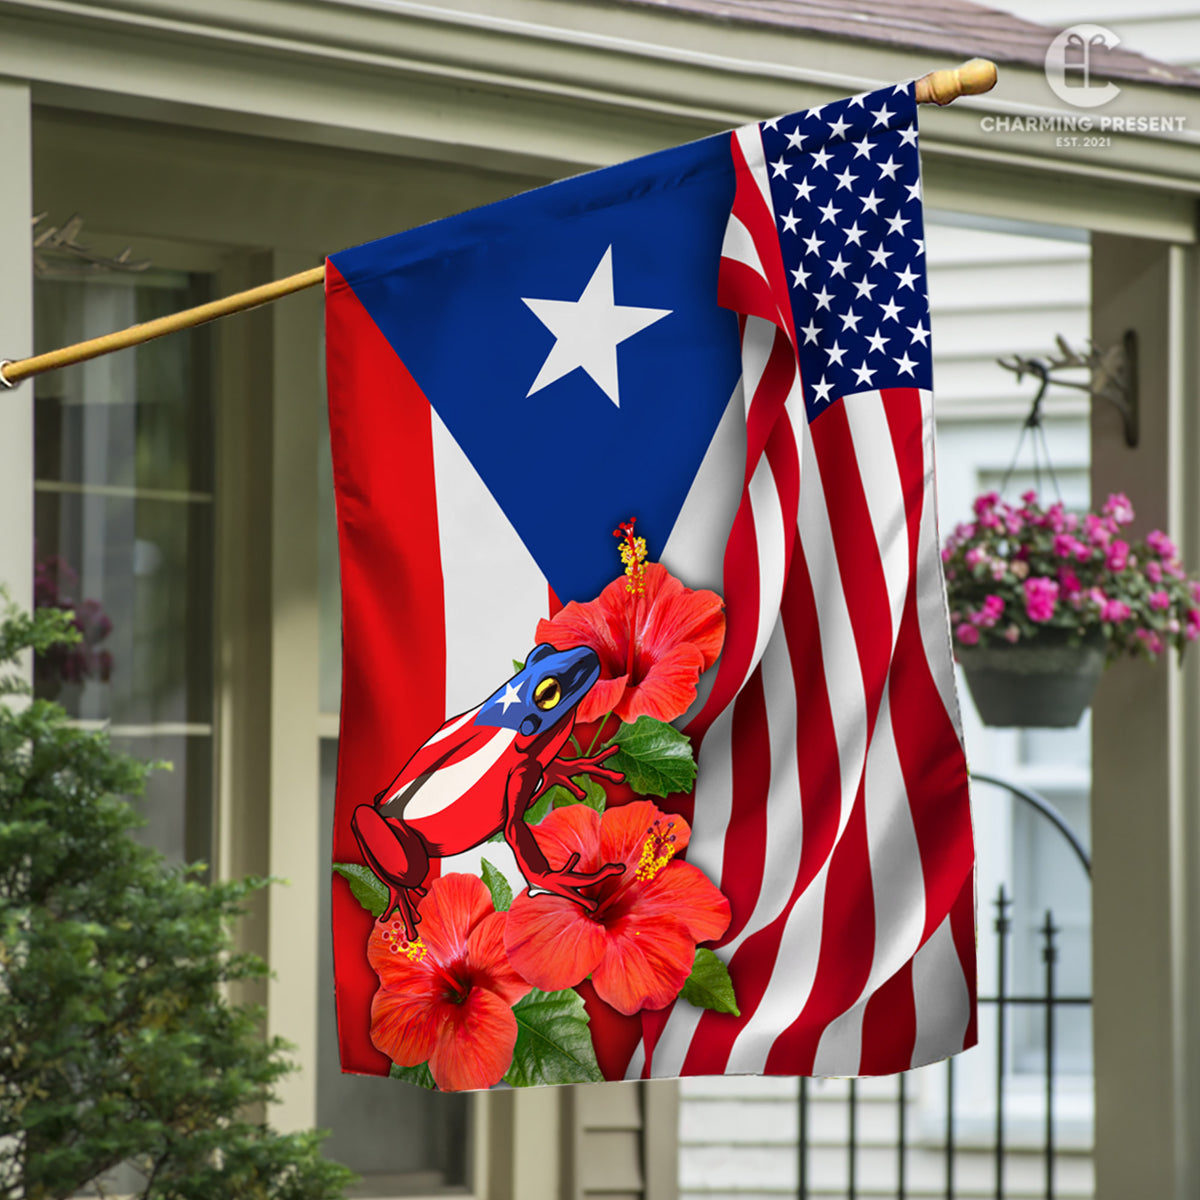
(690, 799)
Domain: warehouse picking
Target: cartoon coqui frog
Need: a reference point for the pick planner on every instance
(478, 775)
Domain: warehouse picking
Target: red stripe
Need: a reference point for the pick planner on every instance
(393, 685)
(962, 925)
(889, 1031)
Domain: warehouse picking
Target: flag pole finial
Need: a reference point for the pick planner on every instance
(940, 87)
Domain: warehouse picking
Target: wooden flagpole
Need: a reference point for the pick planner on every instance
(938, 87)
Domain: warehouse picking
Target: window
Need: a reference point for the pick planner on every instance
(123, 528)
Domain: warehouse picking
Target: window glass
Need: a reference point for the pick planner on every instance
(123, 528)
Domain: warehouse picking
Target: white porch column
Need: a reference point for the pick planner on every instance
(1146, 782)
(16, 341)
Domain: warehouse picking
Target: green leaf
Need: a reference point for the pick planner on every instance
(498, 886)
(554, 1044)
(420, 1076)
(709, 985)
(655, 757)
(370, 891)
(537, 811)
(518, 666)
(594, 794)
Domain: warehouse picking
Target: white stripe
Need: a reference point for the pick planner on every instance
(942, 1001)
(898, 885)
(933, 615)
(486, 626)
(758, 338)
(448, 784)
(771, 548)
(749, 138)
(875, 455)
(739, 246)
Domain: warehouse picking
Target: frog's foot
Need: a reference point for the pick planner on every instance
(399, 859)
(560, 771)
(568, 883)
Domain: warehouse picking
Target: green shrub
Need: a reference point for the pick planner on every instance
(117, 1042)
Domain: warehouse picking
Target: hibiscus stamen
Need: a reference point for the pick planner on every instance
(397, 943)
(657, 850)
(633, 555)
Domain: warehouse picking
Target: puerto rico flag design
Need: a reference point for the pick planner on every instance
(729, 340)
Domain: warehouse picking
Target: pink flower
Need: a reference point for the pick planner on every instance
(1117, 558)
(993, 609)
(1068, 583)
(1067, 546)
(1019, 569)
(1099, 529)
(1115, 610)
(1193, 624)
(947, 553)
(999, 569)
(976, 555)
(1056, 517)
(1012, 633)
(1160, 601)
(1014, 523)
(1154, 571)
(967, 634)
(1029, 498)
(985, 503)
(1150, 640)
(1161, 544)
(1119, 508)
(1041, 595)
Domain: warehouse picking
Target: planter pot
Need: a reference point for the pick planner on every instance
(1044, 683)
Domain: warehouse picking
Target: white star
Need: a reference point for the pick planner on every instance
(850, 321)
(865, 288)
(883, 116)
(901, 89)
(815, 112)
(822, 389)
(871, 202)
(854, 234)
(906, 278)
(905, 364)
(879, 256)
(838, 128)
(780, 168)
(813, 244)
(877, 341)
(919, 333)
(511, 695)
(889, 168)
(914, 190)
(836, 354)
(864, 374)
(800, 277)
(891, 309)
(803, 190)
(810, 331)
(828, 212)
(908, 137)
(838, 266)
(845, 179)
(821, 157)
(857, 101)
(822, 297)
(897, 223)
(796, 139)
(587, 331)
(919, 243)
(772, 123)
(863, 149)
(790, 221)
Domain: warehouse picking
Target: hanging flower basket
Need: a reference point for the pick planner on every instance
(1046, 683)
(1041, 598)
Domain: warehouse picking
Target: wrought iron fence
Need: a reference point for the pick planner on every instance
(1049, 1000)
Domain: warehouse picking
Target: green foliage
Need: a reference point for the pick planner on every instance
(117, 1042)
(366, 887)
(709, 985)
(502, 896)
(419, 1076)
(655, 757)
(554, 1044)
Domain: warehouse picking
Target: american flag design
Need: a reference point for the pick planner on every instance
(729, 340)
(831, 800)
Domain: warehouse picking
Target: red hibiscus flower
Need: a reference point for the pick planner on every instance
(447, 998)
(653, 643)
(639, 943)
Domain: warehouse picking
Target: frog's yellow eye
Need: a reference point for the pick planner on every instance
(547, 693)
